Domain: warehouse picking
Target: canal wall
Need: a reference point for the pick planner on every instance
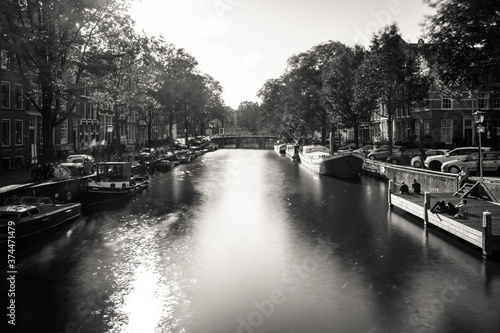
(430, 181)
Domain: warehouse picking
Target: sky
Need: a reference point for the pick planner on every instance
(244, 43)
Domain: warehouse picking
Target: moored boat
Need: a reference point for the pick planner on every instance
(164, 165)
(319, 159)
(183, 156)
(114, 181)
(292, 151)
(280, 147)
(29, 215)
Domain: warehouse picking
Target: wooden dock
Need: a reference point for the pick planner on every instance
(481, 228)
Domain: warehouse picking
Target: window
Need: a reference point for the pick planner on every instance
(4, 60)
(32, 122)
(427, 127)
(496, 103)
(446, 130)
(490, 156)
(36, 91)
(18, 134)
(18, 97)
(482, 100)
(446, 103)
(64, 131)
(5, 95)
(5, 132)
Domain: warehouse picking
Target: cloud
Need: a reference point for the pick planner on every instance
(250, 61)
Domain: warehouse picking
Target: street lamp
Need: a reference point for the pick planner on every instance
(478, 119)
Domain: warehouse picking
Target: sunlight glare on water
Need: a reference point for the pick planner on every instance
(142, 306)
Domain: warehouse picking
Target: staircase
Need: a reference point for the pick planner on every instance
(478, 189)
(465, 189)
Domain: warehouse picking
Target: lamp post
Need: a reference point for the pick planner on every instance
(478, 119)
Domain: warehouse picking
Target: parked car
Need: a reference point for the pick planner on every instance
(490, 160)
(435, 162)
(383, 152)
(417, 161)
(147, 153)
(345, 148)
(364, 150)
(194, 142)
(80, 164)
(180, 146)
(403, 158)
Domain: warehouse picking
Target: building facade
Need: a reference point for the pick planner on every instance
(20, 125)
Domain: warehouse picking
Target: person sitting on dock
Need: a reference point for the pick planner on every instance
(416, 186)
(459, 209)
(404, 188)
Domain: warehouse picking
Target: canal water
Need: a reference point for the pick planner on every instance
(249, 241)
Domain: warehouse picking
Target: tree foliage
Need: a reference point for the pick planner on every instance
(248, 115)
(463, 38)
(55, 44)
(344, 98)
(392, 73)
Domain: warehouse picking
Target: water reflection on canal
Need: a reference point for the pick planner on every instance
(249, 241)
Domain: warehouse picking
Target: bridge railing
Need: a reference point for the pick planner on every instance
(242, 135)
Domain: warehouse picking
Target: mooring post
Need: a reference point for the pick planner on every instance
(427, 205)
(487, 251)
(389, 192)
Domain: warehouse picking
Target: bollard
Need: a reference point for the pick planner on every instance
(487, 251)
(427, 205)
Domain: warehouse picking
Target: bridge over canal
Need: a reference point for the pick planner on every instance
(244, 140)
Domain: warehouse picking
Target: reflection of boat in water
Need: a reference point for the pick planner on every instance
(25, 216)
(292, 151)
(114, 181)
(280, 147)
(319, 159)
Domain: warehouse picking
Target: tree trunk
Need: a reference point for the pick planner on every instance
(170, 137)
(390, 112)
(356, 132)
(47, 130)
(116, 141)
(47, 123)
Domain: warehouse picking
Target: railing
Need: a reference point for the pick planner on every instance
(462, 176)
(242, 134)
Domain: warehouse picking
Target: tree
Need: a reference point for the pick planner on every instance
(179, 88)
(343, 95)
(57, 42)
(118, 74)
(273, 94)
(391, 73)
(248, 116)
(305, 79)
(463, 38)
(214, 105)
(279, 115)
